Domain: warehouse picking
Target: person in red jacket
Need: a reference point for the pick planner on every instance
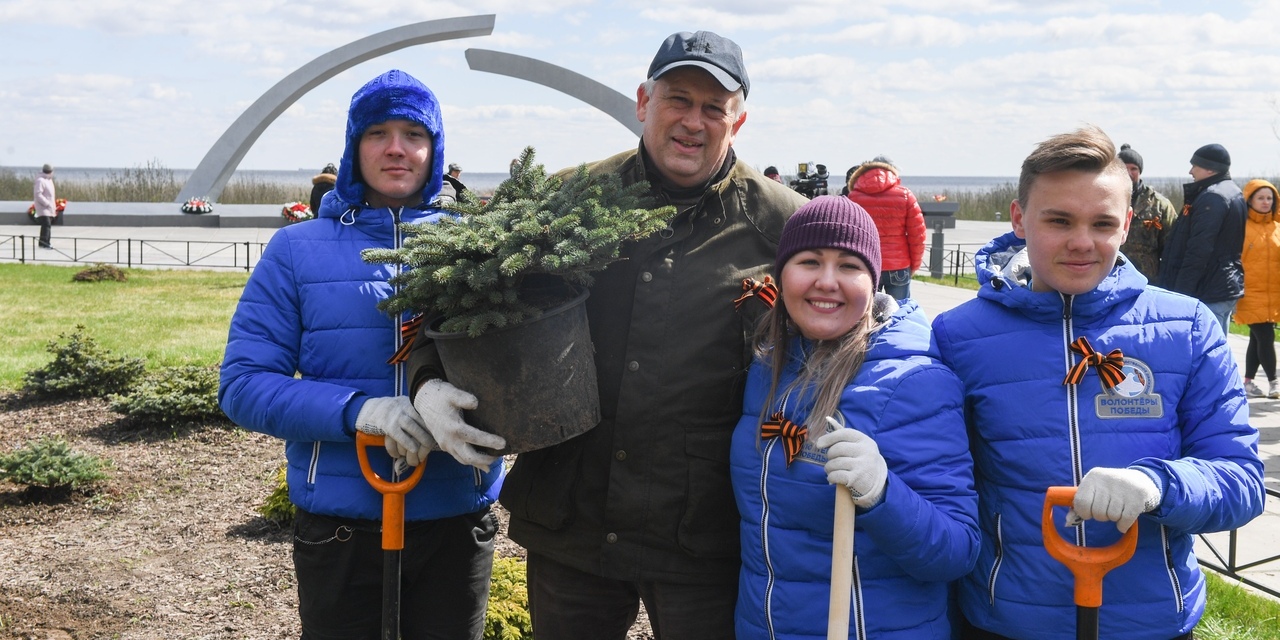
(876, 187)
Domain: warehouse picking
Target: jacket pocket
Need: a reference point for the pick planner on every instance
(539, 487)
(709, 525)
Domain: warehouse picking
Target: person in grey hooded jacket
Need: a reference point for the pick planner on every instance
(307, 361)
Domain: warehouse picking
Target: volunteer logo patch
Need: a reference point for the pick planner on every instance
(813, 455)
(1133, 397)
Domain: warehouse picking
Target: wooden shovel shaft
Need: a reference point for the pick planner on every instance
(841, 566)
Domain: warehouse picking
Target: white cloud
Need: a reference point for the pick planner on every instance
(946, 86)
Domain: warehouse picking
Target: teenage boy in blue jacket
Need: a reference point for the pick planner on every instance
(307, 362)
(1077, 373)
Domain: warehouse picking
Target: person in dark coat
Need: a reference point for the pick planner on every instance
(322, 184)
(454, 178)
(640, 508)
(1202, 255)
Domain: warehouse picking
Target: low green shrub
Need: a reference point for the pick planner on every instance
(171, 397)
(81, 369)
(508, 615)
(278, 508)
(49, 463)
(100, 272)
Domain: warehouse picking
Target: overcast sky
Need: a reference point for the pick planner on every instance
(943, 87)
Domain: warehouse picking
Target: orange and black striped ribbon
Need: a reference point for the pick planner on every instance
(792, 434)
(765, 290)
(1153, 223)
(408, 332)
(1110, 367)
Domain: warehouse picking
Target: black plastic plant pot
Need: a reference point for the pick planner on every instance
(535, 381)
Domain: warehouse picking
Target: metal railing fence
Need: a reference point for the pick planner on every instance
(957, 260)
(1230, 564)
(127, 252)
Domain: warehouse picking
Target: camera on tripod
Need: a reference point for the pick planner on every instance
(810, 185)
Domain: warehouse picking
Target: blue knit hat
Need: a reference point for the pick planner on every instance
(394, 95)
(831, 222)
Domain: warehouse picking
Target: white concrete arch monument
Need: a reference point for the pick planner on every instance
(614, 103)
(213, 172)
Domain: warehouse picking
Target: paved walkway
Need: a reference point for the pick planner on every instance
(212, 248)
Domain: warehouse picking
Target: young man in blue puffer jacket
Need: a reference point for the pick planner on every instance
(307, 361)
(1155, 432)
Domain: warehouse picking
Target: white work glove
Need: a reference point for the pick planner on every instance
(854, 460)
(1114, 495)
(406, 435)
(401, 459)
(440, 404)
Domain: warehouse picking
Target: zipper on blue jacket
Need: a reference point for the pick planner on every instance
(1169, 567)
(859, 616)
(764, 536)
(315, 462)
(397, 340)
(995, 565)
(1073, 406)
(396, 242)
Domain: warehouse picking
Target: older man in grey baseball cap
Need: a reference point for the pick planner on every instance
(640, 508)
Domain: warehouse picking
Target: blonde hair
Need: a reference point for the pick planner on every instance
(829, 367)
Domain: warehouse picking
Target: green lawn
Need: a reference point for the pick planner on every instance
(1234, 613)
(168, 317)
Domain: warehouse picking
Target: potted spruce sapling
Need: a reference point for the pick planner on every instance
(503, 287)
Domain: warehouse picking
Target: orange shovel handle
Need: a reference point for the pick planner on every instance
(392, 492)
(1087, 564)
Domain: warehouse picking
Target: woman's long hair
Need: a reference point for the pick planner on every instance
(828, 368)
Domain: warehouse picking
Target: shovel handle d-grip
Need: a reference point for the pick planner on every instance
(392, 492)
(1087, 564)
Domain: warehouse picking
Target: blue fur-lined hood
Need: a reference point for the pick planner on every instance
(394, 95)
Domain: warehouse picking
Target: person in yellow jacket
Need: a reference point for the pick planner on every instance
(1260, 306)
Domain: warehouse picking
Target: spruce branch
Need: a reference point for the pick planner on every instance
(470, 269)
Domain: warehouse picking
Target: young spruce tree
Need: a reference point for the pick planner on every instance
(471, 269)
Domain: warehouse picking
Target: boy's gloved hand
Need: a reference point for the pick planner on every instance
(1114, 495)
(440, 404)
(395, 418)
(854, 460)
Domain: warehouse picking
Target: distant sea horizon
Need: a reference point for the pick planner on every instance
(487, 181)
